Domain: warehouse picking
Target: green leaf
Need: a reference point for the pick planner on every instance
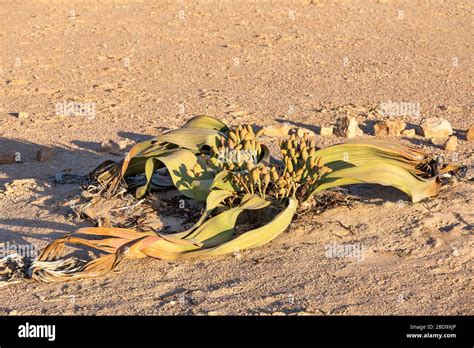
(205, 121)
(252, 238)
(190, 138)
(179, 162)
(213, 200)
(383, 173)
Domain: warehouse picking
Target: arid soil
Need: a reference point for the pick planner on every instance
(151, 65)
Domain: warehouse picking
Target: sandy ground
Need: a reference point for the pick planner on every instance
(153, 64)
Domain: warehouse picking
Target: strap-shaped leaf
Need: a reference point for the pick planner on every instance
(252, 238)
(205, 121)
(383, 173)
(190, 138)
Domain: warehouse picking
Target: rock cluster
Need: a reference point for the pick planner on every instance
(347, 127)
(389, 128)
(434, 127)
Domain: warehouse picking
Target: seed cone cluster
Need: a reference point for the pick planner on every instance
(236, 151)
(297, 178)
(302, 167)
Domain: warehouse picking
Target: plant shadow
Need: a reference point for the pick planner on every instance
(31, 185)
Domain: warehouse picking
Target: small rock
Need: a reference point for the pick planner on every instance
(470, 133)
(409, 133)
(113, 147)
(278, 313)
(161, 129)
(380, 129)
(348, 127)
(390, 128)
(305, 314)
(436, 128)
(277, 130)
(232, 107)
(45, 154)
(22, 115)
(327, 131)
(20, 186)
(301, 131)
(17, 82)
(8, 158)
(239, 113)
(454, 108)
(451, 144)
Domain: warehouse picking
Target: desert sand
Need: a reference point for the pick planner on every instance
(148, 66)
